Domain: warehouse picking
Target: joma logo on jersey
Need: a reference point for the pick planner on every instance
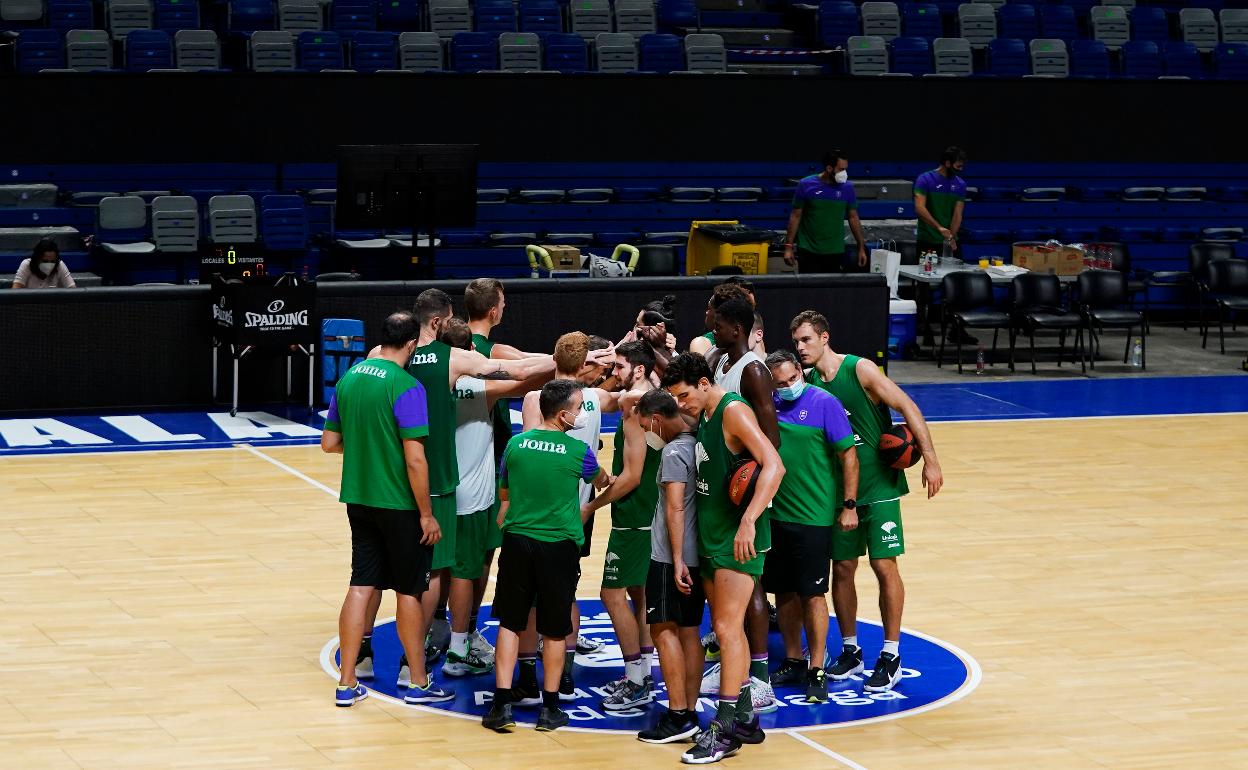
(544, 446)
(424, 358)
(372, 371)
(465, 394)
(587, 406)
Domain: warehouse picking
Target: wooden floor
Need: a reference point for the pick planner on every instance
(168, 609)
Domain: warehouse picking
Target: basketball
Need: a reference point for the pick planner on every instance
(742, 478)
(898, 449)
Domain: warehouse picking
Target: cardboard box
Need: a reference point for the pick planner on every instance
(564, 257)
(1038, 258)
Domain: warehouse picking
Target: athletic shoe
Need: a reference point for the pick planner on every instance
(710, 643)
(627, 696)
(848, 664)
(431, 693)
(364, 661)
(526, 695)
(405, 672)
(481, 647)
(437, 640)
(713, 745)
(886, 674)
(610, 687)
(349, 696)
(773, 617)
(816, 686)
(791, 671)
(585, 645)
(670, 729)
(762, 696)
(465, 664)
(567, 687)
(549, 720)
(498, 718)
(748, 732)
(710, 681)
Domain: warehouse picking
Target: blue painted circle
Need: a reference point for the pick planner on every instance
(931, 672)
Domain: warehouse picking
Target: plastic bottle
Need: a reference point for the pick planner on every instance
(946, 253)
(1137, 353)
(979, 360)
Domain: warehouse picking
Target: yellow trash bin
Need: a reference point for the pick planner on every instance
(716, 243)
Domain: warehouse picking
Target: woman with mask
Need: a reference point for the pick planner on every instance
(44, 269)
(815, 239)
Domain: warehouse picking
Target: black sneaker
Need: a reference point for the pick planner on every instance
(670, 729)
(773, 617)
(436, 641)
(848, 664)
(364, 661)
(791, 671)
(549, 720)
(748, 732)
(816, 686)
(498, 718)
(567, 687)
(713, 745)
(526, 694)
(886, 674)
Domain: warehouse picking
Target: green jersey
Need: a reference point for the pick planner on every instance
(710, 337)
(943, 194)
(501, 416)
(431, 366)
(813, 429)
(375, 406)
(718, 518)
(824, 210)
(877, 482)
(636, 509)
(542, 470)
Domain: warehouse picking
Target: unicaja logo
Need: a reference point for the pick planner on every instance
(888, 526)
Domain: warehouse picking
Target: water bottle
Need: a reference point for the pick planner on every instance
(1137, 353)
(946, 254)
(979, 360)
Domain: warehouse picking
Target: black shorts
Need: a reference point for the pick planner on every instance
(814, 262)
(386, 550)
(664, 601)
(800, 559)
(534, 573)
(588, 527)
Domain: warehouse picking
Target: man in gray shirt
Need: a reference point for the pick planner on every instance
(674, 597)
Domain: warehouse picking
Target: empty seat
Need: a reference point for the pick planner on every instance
(474, 51)
(283, 222)
(449, 17)
(953, 56)
(881, 19)
(495, 16)
(1148, 194)
(921, 20)
(271, 50)
(1141, 60)
(565, 53)
(1111, 26)
(1150, 23)
(1089, 59)
(15, 14)
(298, 15)
(590, 195)
(660, 53)
(1231, 61)
(838, 21)
(519, 52)
(87, 50)
(399, 15)
(540, 16)
(420, 51)
(246, 16)
(347, 17)
(373, 51)
(1049, 58)
(591, 18)
(64, 15)
(1058, 22)
(635, 17)
(320, 50)
(616, 52)
(977, 22)
(866, 55)
(39, 49)
(175, 223)
(173, 15)
(677, 15)
(232, 219)
(125, 16)
(1019, 20)
(1234, 25)
(121, 225)
(196, 49)
(1181, 60)
(705, 53)
(911, 55)
(1007, 58)
(1200, 28)
(148, 49)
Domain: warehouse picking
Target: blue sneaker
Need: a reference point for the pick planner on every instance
(349, 696)
(430, 693)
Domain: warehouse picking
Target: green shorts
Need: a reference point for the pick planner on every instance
(708, 564)
(628, 558)
(444, 549)
(471, 531)
(493, 535)
(878, 533)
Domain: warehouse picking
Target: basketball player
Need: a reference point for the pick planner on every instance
(378, 422)
(674, 594)
(705, 344)
(731, 543)
(873, 525)
(542, 534)
(475, 503)
(632, 496)
(817, 448)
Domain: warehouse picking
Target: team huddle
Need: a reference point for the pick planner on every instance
(735, 474)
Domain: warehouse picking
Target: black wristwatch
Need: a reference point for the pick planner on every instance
(849, 504)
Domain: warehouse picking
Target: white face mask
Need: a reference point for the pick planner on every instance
(841, 177)
(655, 441)
(46, 268)
(576, 424)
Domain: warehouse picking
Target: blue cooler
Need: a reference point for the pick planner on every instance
(903, 317)
(342, 348)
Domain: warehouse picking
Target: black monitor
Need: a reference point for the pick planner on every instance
(402, 186)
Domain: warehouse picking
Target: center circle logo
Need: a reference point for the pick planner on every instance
(934, 674)
(276, 306)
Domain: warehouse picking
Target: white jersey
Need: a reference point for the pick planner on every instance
(474, 447)
(591, 410)
(730, 380)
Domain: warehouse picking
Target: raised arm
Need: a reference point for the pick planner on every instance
(473, 364)
(634, 449)
(496, 389)
(885, 391)
(531, 411)
(508, 353)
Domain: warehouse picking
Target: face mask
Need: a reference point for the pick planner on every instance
(576, 424)
(655, 441)
(47, 267)
(791, 392)
(841, 177)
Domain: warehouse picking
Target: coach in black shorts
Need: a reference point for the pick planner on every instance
(674, 594)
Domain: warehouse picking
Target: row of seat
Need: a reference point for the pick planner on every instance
(123, 224)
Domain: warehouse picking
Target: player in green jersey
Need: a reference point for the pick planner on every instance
(874, 526)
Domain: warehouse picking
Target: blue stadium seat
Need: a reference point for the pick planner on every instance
(1088, 59)
(565, 53)
(39, 49)
(675, 15)
(1058, 22)
(540, 16)
(661, 53)
(1018, 20)
(1148, 22)
(1231, 61)
(70, 14)
(1180, 233)
(1136, 233)
(319, 50)
(838, 21)
(994, 193)
(251, 15)
(1008, 58)
(495, 16)
(1181, 59)
(1077, 234)
(399, 15)
(1141, 60)
(372, 51)
(921, 20)
(912, 55)
(148, 49)
(474, 51)
(173, 15)
(347, 17)
(283, 222)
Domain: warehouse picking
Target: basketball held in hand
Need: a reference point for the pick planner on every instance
(898, 449)
(742, 478)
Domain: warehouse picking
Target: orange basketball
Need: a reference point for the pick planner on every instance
(742, 478)
(898, 449)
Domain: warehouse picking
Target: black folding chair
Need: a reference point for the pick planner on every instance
(1228, 287)
(1038, 306)
(1102, 293)
(968, 304)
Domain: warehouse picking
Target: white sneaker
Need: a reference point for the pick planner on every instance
(479, 645)
(405, 676)
(762, 696)
(710, 681)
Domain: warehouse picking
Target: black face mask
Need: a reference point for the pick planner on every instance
(955, 172)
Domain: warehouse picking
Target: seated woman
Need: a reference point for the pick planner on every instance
(44, 269)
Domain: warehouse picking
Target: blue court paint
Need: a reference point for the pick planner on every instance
(934, 673)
